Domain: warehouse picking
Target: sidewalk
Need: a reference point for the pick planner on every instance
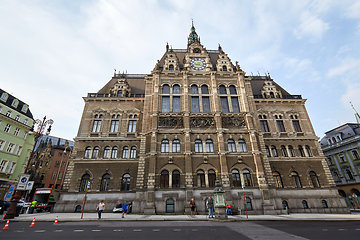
(75, 217)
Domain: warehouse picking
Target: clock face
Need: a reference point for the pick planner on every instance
(197, 63)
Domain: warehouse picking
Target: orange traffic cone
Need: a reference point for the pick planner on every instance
(7, 225)
(4, 215)
(56, 220)
(33, 223)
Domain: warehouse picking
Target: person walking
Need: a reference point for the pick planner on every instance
(124, 209)
(33, 206)
(100, 208)
(192, 206)
(228, 209)
(210, 207)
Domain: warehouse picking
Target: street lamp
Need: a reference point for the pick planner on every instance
(41, 126)
(219, 194)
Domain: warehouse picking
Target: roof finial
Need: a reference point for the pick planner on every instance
(167, 46)
(357, 116)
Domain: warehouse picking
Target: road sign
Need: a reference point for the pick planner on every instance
(23, 180)
(29, 185)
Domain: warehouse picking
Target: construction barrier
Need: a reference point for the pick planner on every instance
(7, 225)
(33, 223)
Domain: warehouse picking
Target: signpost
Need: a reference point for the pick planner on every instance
(82, 211)
(23, 181)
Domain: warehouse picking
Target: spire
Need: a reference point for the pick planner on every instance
(193, 37)
(357, 116)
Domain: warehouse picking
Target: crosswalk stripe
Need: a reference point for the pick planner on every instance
(118, 230)
(137, 230)
(96, 230)
(156, 230)
(58, 230)
(78, 230)
(176, 230)
(40, 231)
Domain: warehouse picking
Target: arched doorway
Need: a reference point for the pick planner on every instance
(356, 197)
(343, 194)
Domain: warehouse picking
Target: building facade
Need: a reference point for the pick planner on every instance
(341, 147)
(162, 138)
(16, 143)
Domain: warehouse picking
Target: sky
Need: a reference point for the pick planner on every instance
(52, 53)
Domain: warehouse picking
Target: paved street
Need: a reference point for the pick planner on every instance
(297, 230)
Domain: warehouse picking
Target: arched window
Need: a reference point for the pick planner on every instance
(296, 179)
(272, 95)
(198, 145)
(125, 182)
(105, 182)
(209, 145)
(133, 152)
(231, 145)
(308, 151)
(278, 180)
(305, 204)
(114, 151)
(176, 146)
(204, 89)
(301, 151)
(211, 178)
(285, 204)
(274, 151)
(232, 89)
(170, 206)
(222, 89)
(164, 179)
(224, 68)
(284, 151)
(87, 152)
(165, 146)
(171, 67)
(291, 150)
(176, 179)
(268, 153)
(242, 145)
(248, 204)
(236, 178)
(324, 204)
(166, 89)
(194, 89)
(95, 153)
(125, 152)
(200, 178)
(107, 152)
(85, 179)
(314, 179)
(247, 178)
(176, 89)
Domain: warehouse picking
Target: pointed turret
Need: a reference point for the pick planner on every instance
(193, 37)
(357, 116)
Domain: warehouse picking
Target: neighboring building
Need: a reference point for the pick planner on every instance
(341, 147)
(160, 139)
(16, 143)
(49, 162)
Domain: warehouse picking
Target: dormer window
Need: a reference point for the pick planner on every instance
(4, 97)
(24, 108)
(224, 68)
(171, 67)
(15, 103)
(196, 50)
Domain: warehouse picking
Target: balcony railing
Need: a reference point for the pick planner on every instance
(109, 95)
(283, 97)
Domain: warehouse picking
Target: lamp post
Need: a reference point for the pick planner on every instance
(41, 125)
(219, 194)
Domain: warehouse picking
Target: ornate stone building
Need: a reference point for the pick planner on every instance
(162, 138)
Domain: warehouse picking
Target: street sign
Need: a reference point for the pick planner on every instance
(29, 185)
(23, 180)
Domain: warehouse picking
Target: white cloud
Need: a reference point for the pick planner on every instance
(352, 94)
(349, 67)
(311, 26)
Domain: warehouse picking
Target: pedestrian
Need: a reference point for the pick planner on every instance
(228, 209)
(210, 207)
(32, 206)
(192, 206)
(100, 208)
(124, 209)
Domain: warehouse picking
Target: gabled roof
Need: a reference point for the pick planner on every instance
(19, 107)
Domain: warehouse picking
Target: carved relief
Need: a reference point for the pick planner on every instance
(170, 122)
(233, 121)
(199, 122)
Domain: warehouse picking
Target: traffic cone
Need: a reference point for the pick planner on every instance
(33, 223)
(56, 220)
(4, 215)
(7, 225)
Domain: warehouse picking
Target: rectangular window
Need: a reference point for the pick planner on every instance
(7, 128)
(2, 144)
(24, 135)
(96, 126)
(195, 107)
(53, 177)
(176, 107)
(235, 104)
(206, 104)
(3, 165)
(114, 126)
(264, 126)
(296, 125)
(132, 126)
(16, 132)
(280, 125)
(165, 104)
(10, 148)
(18, 152)
(12, 167)
(224, 104)
(60, 176)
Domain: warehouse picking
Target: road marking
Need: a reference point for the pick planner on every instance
(357, 229)
(96, 230)
(341, 229)
(325, 229)
(156, 230)
(194, 230)
(78, 230)
(40, 231)
(19, 231)
(176, 230)
(118, 230)
(137, 230)
(59, 230)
